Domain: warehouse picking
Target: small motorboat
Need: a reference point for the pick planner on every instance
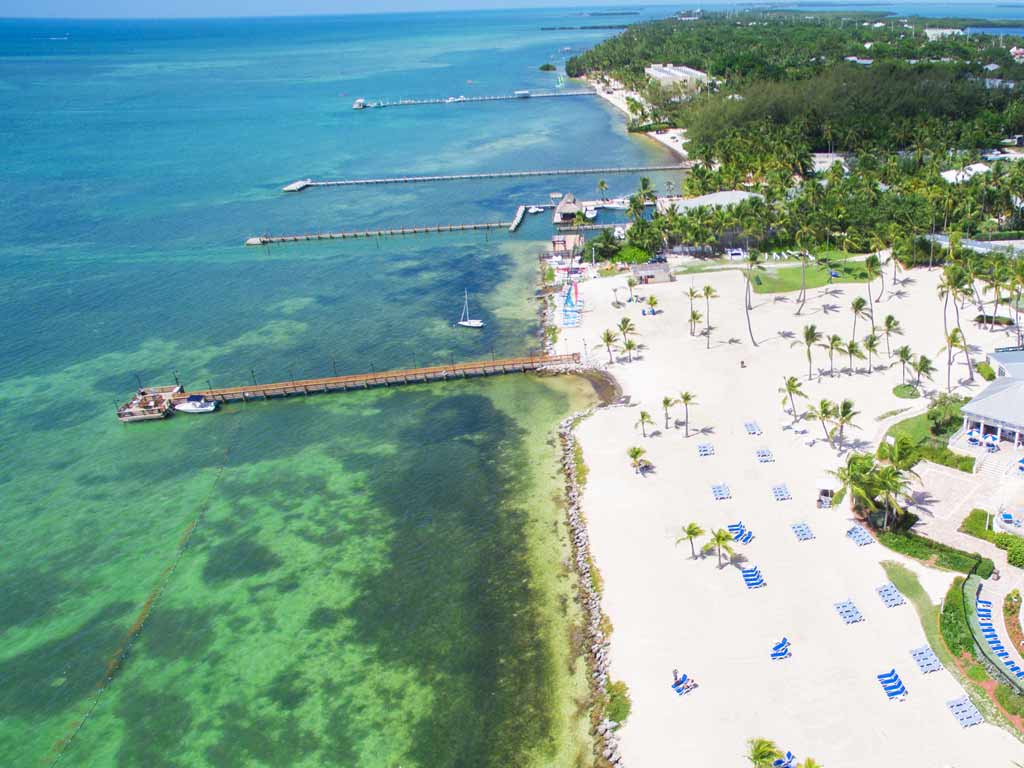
(534, 209)
(465, 320)
(196, 404)
(590, 214)
(618, 205)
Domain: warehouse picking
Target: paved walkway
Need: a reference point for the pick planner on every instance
(942, 499)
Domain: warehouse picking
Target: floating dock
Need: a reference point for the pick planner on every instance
(298, 186)
(364, 104)
(273, 239)
(395, 378)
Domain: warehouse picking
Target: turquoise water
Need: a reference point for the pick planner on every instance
(369, 579)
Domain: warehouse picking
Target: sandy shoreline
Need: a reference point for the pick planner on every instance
(672, 139)
(673, 612)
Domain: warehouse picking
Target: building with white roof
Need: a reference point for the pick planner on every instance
(713, 200)
(671, 74)
(999, 409)
(959, 177)
(940, 32)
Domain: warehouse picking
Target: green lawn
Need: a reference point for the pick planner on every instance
(787, 279)
(917, 430)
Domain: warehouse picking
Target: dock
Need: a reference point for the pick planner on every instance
(298, 186)
(353, 235)
(363, 104)
(170, 396)
(520, 215)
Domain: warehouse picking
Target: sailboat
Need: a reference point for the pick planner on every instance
(465, 321)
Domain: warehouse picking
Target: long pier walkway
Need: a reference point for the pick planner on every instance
(475, 99)
(383, 378)
(273, 239)
(298, 186)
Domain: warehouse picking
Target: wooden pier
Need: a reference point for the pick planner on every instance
(522, 96)
(520, 215)
(274, 239)
(357, 381)
(298, 186)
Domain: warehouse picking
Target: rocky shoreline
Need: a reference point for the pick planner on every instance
(606, 743)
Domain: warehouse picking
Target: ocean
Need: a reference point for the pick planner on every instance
(373, 579)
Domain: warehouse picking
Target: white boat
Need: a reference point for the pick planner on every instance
(534, 209)
(618, 205)
(359, 104)
(590, 214)
(196, 404)
(465, 321)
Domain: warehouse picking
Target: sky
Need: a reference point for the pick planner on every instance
(184, 8)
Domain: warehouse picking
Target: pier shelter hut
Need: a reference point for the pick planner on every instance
(566, 210)
(998, 411)
(567, 246)
(646, 274)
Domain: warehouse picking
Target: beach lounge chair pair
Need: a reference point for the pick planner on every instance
(705, 449)
(860, 536)
(890, 595)
(721, 492)
(764, 456)
(892, 685)
(781, 493)
(849, 612)
(753, 578)
(786, 761)
(965, 712)
(926, 659)
(781, 650)
(752, 427)
(684, 685)
(803, 531)
(740, 533)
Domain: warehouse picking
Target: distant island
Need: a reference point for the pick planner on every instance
(549, 67)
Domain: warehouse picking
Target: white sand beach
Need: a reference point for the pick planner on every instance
(673, 139)
(670, 611)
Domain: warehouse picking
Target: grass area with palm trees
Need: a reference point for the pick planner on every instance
(927, 434)
(789, 279)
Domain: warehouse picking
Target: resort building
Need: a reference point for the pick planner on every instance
(997, 414)
(713, 200)
(670, 75)
(940, 32)
(968, 173)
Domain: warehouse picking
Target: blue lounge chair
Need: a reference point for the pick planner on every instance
(979, 601)
(783, 643)
(746, 538)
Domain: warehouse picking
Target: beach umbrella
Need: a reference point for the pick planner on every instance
(991, 439)
(973, 433)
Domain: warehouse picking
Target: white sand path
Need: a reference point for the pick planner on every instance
(672, 612)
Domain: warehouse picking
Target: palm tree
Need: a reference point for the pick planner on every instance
(666, 403)
(720, 540)
(954, 340)
(873, 269)
(843, 416)
(871, 347)
(636, 458)
(692, 293)
(626, 327)
(695, 318)
(631, 283)
(608, 338)
(857, 306)
(686, 399)
(791, 389)
(709, 294)
(636, 208)
(602, 187)
(652, 302)
(578, 220)
(900, 453)
(923, 367)
(835, 344)
(646, 191)
(890, 327)
(905, 357)
(753, 265)
(690, 532)
(644, 421)
(890, 487)
(811, 338)
(852, 348)
(629, 347)
(762, 752)
(855, 479)
(823, 412)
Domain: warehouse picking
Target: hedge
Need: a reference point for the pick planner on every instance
(1015, 554)
(952, 623)
(950, 558)
(985, 371)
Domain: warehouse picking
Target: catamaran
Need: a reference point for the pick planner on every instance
(465, 321)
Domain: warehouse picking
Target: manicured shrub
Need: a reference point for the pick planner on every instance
(974, 524)
(922, 548)
(1010, 700)
(906, 391)
(1005, 540)
(952, 623)
(1015, 554)
(630, 254)
(985, 371)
